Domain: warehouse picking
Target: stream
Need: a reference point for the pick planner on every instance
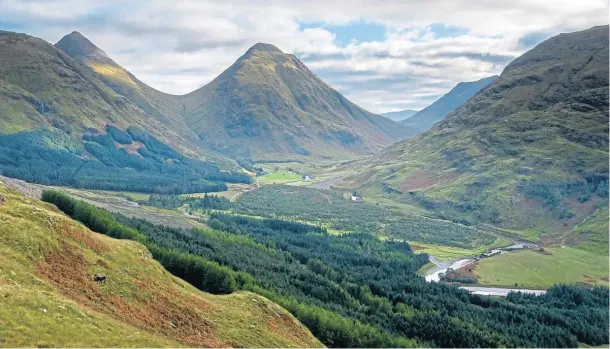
(433, 275)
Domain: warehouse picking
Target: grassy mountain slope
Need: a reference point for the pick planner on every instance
(164, 108)
(55, 113)
(435, 112)
(48, 297)
(268, 105)
(400, 115)
(41, 86)
(529, 152)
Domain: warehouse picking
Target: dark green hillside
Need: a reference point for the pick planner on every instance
(528, 152)
(130, 160)
(355, 290)
(268, 105)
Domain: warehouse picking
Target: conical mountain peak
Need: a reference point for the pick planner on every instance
(263, 47)
(78, 46)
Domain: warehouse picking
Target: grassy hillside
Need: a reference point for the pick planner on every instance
(543, 269)
(161, 107)
(268, 105)
(63, 122)
(48, 297)
(529, 152)
(42, 86)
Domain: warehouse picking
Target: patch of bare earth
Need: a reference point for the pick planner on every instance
(541, 250)
(155, 308)
(415, 247)
(469, 270)
(131, 148)
(27, 189)
(423, 180)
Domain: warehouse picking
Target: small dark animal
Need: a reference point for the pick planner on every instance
(99, 278)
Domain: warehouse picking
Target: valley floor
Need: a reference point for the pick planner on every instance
(562, 262)
(526, 269)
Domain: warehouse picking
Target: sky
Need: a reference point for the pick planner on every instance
(383, 55)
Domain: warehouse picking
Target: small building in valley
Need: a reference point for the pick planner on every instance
(356, 198)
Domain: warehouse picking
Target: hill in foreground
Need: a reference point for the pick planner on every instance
(529, 152)
(48, 297)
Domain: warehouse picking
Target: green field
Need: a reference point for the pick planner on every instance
(595, 232)
(446, 253)
(537, 270)
(279, 177)
(425, 268)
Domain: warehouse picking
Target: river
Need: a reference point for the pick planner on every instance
(433, 275)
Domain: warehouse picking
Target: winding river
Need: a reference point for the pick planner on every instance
(433, 275)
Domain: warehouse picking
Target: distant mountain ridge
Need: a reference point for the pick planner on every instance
(400, 115)
(435, 112)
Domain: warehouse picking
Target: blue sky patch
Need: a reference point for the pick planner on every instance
(443, 31)
(361, 31)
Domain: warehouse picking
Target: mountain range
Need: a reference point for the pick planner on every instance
(435, 112)
(70, 107)
(400, 115)
(267, 105)
(528, 152)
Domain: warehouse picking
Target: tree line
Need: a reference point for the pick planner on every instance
(207, 202)
(208, 275)
(355, 290)
(329, 207)
(53, 158)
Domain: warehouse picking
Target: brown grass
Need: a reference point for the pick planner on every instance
(166, 311)
(423, 180)
(90, 240)
(283, 324)
(415, 247)
(469, 270)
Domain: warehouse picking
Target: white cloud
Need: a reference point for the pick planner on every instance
(179, 45)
